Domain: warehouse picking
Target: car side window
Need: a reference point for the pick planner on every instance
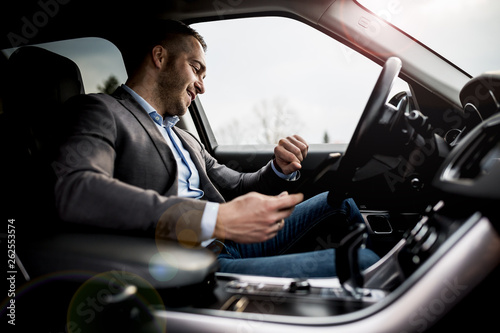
(271, 77)
(100, 61)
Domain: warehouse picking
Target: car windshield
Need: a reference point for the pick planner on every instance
(462, 31)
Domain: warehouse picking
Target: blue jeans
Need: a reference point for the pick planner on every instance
(271, 258)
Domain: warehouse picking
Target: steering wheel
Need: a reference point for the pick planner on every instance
(378, 116)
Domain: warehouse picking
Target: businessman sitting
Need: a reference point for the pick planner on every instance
(125, 165)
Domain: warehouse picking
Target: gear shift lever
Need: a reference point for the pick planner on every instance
(346, 260)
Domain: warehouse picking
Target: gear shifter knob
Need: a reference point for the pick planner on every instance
(346, 259)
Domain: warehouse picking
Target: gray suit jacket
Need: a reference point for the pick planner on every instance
(115, 170)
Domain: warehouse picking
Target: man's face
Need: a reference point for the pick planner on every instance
(181, 77)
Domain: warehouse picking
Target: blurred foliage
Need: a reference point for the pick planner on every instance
(109, 85)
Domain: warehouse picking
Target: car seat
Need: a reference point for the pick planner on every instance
(38, 83)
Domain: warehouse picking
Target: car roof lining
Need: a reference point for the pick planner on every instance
(91, 18)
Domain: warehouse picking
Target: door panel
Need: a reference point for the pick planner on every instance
(250, 158)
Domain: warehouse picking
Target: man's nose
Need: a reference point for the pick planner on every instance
(199, 86)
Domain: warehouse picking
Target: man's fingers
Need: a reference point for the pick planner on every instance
(275, 228)
(283, 205)
(292, 149)
(296, 145)
(286, 161)
(300, 143)
(253, 217)
(290, 152)
(285, 201)
(282, 194)
(285, 155)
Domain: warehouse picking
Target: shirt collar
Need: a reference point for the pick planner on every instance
(169, 121)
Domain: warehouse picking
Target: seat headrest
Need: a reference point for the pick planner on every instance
(38, 76)
(39, 82)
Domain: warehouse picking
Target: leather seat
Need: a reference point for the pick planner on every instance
(38, 83)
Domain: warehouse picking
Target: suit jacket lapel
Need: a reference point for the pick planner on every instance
(129, 103)
(147, 123)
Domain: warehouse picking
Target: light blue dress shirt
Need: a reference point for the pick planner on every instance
(189, 178)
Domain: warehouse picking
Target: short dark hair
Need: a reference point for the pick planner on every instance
(137, 45)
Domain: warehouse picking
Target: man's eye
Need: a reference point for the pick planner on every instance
(195, 69)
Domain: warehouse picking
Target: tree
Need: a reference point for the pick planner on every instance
(277, 120)
(270, 121)
(109, 86)
(326, 138)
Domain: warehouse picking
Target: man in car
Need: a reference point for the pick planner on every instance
(124, 165)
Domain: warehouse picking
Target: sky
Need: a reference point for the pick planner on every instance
(463, 31)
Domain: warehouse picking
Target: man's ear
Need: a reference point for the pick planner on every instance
(159, 55)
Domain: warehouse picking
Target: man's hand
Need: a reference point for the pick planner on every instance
(289, 154)
(254, 217)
